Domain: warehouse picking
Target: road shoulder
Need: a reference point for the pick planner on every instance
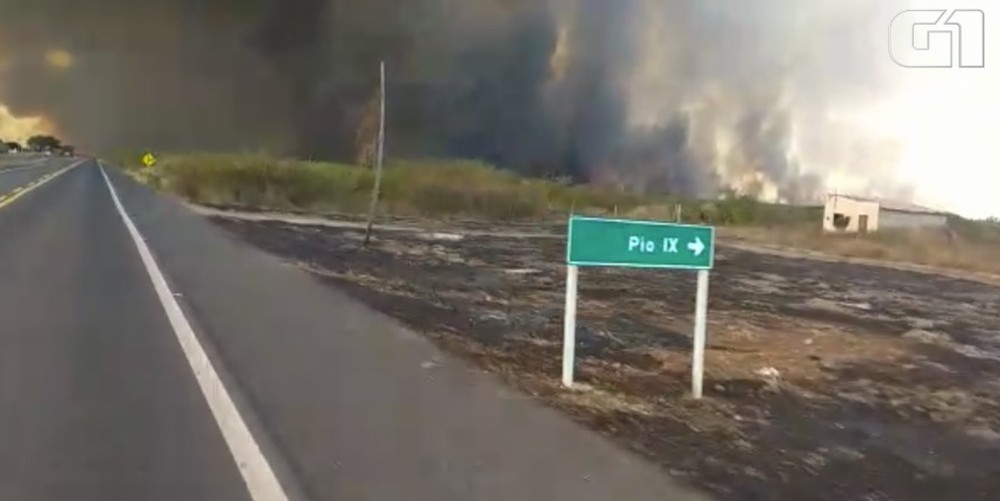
(363, 407)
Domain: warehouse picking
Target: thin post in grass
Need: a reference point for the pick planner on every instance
(378, 157)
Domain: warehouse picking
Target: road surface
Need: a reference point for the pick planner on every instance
(16, 172)
(146, 355)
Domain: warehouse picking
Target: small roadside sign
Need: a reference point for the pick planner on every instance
(149, 160)
(626, 243)
(639, 244)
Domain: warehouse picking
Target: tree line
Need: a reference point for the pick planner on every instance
(39, 143)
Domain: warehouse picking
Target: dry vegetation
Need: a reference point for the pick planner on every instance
(964, 247)
(468, 189)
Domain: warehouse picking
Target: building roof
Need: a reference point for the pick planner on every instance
(892, 205)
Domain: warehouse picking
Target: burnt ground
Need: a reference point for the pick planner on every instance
(824, 381)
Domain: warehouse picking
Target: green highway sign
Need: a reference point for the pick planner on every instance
(639, 244)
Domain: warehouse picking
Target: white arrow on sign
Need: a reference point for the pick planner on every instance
(697, 247)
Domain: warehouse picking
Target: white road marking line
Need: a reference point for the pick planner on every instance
(260, 479)
(19, 169)
(11, 197)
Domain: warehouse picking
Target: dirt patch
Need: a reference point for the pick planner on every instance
(824, 380)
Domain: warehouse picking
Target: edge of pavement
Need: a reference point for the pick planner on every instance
(259, 476)
(359, 406)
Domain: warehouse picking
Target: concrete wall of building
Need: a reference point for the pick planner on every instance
(896, 219)
(851, 209)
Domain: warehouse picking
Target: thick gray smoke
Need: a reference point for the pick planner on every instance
(687, 96)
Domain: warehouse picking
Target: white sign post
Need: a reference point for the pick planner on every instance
(569, 326)
(700, 331)
(639, 244)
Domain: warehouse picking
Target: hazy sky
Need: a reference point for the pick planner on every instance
(949, 123)
(784, 99)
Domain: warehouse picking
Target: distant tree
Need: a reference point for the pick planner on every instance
(44, 143)
(13, 146)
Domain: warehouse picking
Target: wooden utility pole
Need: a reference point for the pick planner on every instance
(379, 157)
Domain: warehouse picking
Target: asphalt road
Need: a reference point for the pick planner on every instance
(185, 365)
(16, 173)
(95, 400)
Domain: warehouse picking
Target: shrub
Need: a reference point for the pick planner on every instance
(442, 188)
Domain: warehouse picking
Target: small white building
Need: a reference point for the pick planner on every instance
(851, 214)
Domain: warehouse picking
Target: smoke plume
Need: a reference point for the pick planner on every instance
(686, 96)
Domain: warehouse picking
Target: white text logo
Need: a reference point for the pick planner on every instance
(938, 39)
